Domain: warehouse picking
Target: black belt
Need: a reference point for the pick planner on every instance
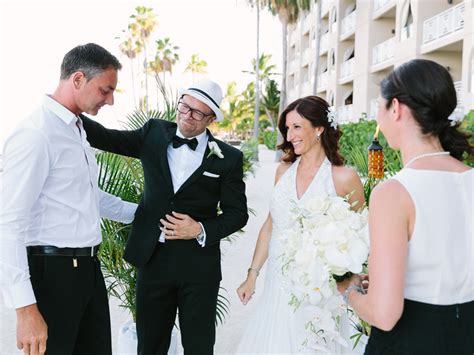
(48, 250)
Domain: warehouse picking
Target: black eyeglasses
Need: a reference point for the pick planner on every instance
(195, 114)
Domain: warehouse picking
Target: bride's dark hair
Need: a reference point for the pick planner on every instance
(315, 110)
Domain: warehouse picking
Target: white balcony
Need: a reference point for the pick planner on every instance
(306, 56)
(443, 24)
(307, 88)
(348, 24)
(325, 6)
(379, 4)
(294, 65)
(293, 34)
(374, 106)
(344, 114)
(324, 44)
(307, 23)
(383, 52)
(323, 81)
(458, 87)
(347, 70)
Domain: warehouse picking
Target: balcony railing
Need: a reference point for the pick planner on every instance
(323, 81)
(306, 56)
(347, 69)
(294, 33)
(383, 51)
(444, 23)
(325, 5)
(348, 24)
(374, 106)
(378, 4)
(458, 87)
(324, 43)
(344, 114)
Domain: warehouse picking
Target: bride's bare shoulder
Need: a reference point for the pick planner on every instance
(281, 169)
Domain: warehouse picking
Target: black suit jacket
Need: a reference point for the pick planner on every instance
(199, 197)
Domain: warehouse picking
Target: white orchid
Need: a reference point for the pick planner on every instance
(214, 150)
(325, 239)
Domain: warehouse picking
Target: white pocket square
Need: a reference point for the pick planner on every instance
(207, 173)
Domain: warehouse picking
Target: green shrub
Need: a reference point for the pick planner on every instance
(356, 138)
(270, 139)
(250, 150)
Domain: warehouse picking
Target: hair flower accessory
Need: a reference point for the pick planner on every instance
(456, 116)
(332, 117)
(215, 150)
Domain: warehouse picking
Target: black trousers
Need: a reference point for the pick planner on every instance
(157, 303)
(426, 329)
(74, 304)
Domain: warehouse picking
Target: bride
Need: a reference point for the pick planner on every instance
(311, 166)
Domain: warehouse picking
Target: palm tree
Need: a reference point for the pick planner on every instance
(196, 65)
(144, 24)
(130, 49)
(288, 12)
(166, 55)
(266, 70)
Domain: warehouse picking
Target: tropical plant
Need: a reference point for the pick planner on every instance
(271, 102)
(196, 65)
(130, 48)
(270, 139)
(166, 56)
(144, 23)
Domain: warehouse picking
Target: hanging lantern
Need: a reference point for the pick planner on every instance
(376, 157)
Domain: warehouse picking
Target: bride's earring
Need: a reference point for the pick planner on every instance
(318, 137)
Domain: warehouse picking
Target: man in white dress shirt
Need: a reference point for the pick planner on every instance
(50, 215)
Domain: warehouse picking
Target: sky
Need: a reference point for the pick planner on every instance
(35, 35)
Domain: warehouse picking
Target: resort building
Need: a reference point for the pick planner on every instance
(360, 41)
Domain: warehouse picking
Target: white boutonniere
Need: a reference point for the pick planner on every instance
(214, 150)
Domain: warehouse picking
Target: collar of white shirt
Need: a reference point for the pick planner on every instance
(201, 138)
(59, 110)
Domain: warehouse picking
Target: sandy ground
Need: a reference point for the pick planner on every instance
(236, 258)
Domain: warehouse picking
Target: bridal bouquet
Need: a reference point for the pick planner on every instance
(327, 240)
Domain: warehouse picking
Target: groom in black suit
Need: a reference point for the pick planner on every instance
(175, 237)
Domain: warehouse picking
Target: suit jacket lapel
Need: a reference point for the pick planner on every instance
(163, 154)
(206, 162)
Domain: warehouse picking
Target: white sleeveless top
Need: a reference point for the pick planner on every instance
(440, 264)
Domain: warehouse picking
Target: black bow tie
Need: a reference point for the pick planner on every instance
(191, 143)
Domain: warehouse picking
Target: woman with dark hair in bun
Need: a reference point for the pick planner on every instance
(312, 166)
(421, 265)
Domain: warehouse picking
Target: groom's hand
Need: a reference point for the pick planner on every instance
(180, 226)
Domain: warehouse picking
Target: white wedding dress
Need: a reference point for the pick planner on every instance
(276, 328)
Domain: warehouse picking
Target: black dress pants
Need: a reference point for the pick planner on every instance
(157, 303)
(74, 304)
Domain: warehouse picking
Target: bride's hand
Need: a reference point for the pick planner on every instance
(246, 290)
(354, 279)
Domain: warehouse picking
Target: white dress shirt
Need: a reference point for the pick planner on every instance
(183, 162)
(49, 195)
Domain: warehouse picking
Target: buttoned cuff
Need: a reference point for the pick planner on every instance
(128, 212)
(201, 239)
(19, 295)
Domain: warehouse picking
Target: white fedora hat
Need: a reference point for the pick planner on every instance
(208, 92)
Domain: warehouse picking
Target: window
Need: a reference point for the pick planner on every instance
(348, 53)
(407, 21)
(348, 98)
(333, 21)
